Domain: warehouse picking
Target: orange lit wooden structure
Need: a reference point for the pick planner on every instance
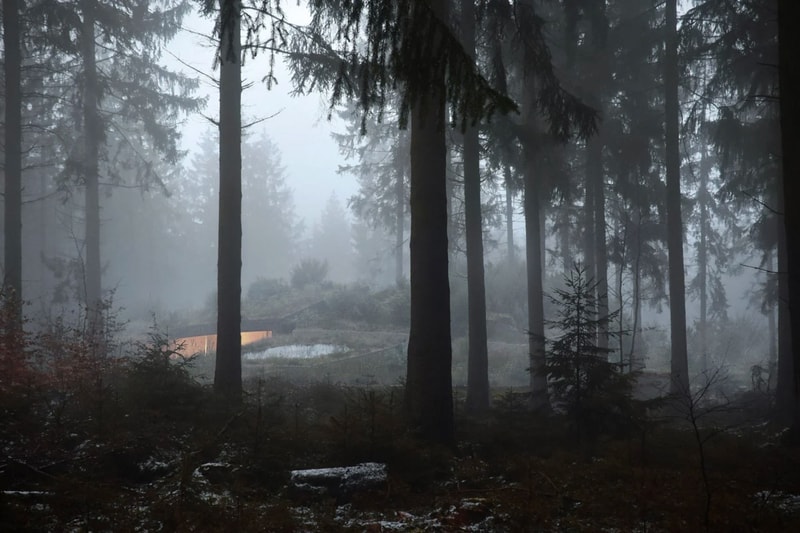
(202, 338)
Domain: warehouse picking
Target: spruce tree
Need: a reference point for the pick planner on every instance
(592, 390)
(381, 167)
(119, 90)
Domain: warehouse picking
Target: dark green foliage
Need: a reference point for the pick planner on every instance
(381, 158)
(309, 272)
(139, 102)
(592, 390)
(363, 50)
(159, 379)
(356, 303)
(564, 113)
(353, 302)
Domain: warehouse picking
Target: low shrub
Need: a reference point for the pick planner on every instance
(264, 289)
(309, 272)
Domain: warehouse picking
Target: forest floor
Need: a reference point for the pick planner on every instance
(140, 444)
(181, 460)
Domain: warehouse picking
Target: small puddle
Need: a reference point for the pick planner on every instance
(297, 351)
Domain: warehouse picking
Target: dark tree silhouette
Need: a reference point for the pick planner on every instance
(411, 43)
(12, 273)
(123, 97)
(789, 40)
(679, 366)
(478, 351)
(228, 372)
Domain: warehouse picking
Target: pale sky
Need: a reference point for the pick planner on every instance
(300, 127)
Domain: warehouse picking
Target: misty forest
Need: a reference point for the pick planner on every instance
(546, 276)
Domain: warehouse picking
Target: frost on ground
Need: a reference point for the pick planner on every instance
(470, 514)
(785, 502)
(340, 481)
(297, 351)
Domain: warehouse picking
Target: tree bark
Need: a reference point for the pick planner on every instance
(478, 353)
(12, 274)
(772, 326)
(228, 372)
(784, 392)
(399, 219)
(533, 255)
(93, 136)
(621, 236)
(536, 338)
(679, 364)
(509, 215)
(533, 244)
(702, 258)
(429, 394)
(635, 357)
(565, 248)
(595, 171)
(788, 42)
(589, 240)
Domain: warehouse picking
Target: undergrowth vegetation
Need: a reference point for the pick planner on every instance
(131, 442)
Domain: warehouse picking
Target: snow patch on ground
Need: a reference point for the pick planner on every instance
(297, 351)
(340, 480)
(470, 514)
(785, 502)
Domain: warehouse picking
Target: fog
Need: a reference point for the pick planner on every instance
(314, 190)
(508, 265)
(158, 242)
(294, 122)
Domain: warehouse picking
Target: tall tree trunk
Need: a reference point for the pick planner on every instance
(93, 136)
(620, 286)
(536, 338)
(772, 325)
(533, 235)
(478, 359)
(509, 214)
(12, 275)
(702, 259)
(228, 372)
(789, 41)
(589, 237)
(589, 240)
(429, 393)
(543, 235)
(478, 352)
(634, 360)
(399, 217)
(595, 173)
(679, 364)
(784, 392)
(595, 170)
(565, 247)
(450, 186)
